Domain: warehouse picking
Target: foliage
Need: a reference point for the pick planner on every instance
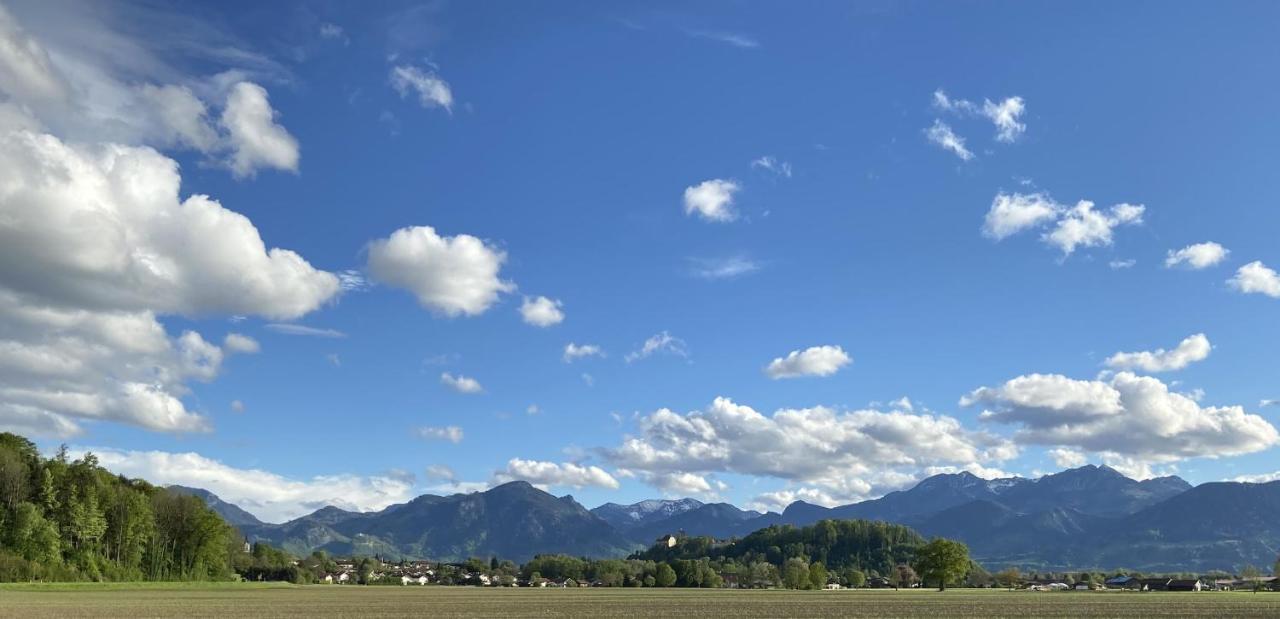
(942, 561)
(66, 520)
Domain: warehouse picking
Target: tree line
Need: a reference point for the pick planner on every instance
(72, 520)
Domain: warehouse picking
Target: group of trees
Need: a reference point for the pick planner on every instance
(66, 520)
(845, 552)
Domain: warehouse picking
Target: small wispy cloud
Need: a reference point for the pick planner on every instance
(453, 434)
(771, 164)
(722, 268)
(730, 38)
(660, 343)
(289, 328)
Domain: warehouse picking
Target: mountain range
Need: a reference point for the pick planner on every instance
(1079, 518)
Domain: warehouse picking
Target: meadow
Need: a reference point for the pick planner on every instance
(251, 600)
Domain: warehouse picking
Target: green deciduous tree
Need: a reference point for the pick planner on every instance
(942, 561)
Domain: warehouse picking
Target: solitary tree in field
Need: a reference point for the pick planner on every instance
(942, 561)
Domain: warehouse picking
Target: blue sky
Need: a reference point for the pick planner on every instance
(747, 179)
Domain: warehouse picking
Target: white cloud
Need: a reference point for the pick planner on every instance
(1256, 277)
(271, 497)
(574, 351)
(736, 40)
(148, 250)
(1082, 226)
(431, 90)
(1068, 458)
(712, 200)
(451, 275)
(532, 409)
(352, 280)
(293, 329)
(1193, 348)
(1128, 416)
(684, 484)
(26, 71)
(942, 135)
(1013, 213)
(1260, 478)
(945, 103)
(88, 77)
(556, 474)
(237, 406)
(1005, 116)
(96, 245)
(1075, 227)
(542, 311)
(453, 434)
(1198, 256)
(660, 343)
(814, 361)
(1116, 265)
(770, 164)
(723, 268)
(849, 455)
(256, 139)
(1266, 403)
(238, 343)
(461, 384)
(334, 32)
(588, 379)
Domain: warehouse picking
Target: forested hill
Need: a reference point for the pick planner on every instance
(63, 520)
(868, 546)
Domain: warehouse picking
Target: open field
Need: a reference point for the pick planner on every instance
(226, 601)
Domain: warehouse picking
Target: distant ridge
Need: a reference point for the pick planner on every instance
(1090, 516)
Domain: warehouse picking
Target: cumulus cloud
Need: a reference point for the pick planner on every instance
(1078, 226)
(712, 200)
(942, 135)
(660, 343)
(1127, 416)
(1068, 458)
(238, 343)
(813, 361)
(542, 473)
(578, 351)
(450, 275)
(849, 455)
(104, 227)
(96, 244)
(453, 434)
(269, 496)
(1256, 277)
(429, 88)
(542, 311)
(460, 383)
(1198, 256)
(1013, 213)
(1082, 226)
(256, 139)
(1193, 348)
